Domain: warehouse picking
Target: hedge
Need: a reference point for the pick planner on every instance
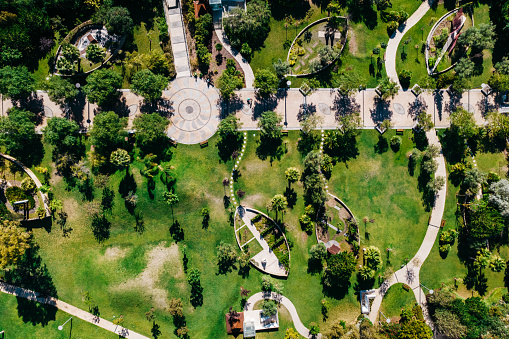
(15, 193)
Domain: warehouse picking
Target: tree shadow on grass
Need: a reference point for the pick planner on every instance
(382, 145)
(420, 140)
(226, 146)
(314, 266)
(127, 184)
(291, 196)
(176, 231)
(32, 274)
(269, 148)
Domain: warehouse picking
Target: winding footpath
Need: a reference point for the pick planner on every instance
(72, 310)
(409, 274)
(392, 45)
(299, 326)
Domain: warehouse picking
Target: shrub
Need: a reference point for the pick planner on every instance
(505, 298)
(445, 248)
(376, 50)
(15, 193)
(246, 50)
(383, 44)
(314, 329)
(405, 76)
(396, 142)
(28, 184)
(448, 237)
(306, 223)
(269, 308)
(41, 212)
(392, 26)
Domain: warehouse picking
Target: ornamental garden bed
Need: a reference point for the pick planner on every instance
(274, 238)
(15, 193)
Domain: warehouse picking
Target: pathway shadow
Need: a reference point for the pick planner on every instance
(453, 103)
(264, 105)
(161, 106)
(380, 111)
(438, 98)
(485, 106)
(76, 109)
(34, 104)
(305, 111)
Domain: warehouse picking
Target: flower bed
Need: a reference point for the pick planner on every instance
(274, 238)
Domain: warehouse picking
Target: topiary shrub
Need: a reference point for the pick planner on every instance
(15, 193)
(392, 26)
(444, 249)
(396, 143)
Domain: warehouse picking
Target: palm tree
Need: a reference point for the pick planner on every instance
(292, 175)
(278, 203)
(171, 199)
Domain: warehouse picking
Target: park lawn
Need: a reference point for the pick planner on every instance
(397, 299)
(43, 68)
(378, 186)
(78, 263)
(415, 60)
(491, 162)
(16, 327)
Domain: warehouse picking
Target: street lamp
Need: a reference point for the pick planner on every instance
(288, 84)
(61, 327)
(429, 291)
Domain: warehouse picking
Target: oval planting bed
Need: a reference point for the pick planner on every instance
(318, 46)
(265, 240)
(442, 50)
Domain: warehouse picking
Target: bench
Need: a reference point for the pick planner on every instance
(173, 142)
(285, 133)
(204, 143)
(399, 132)
(442, 224)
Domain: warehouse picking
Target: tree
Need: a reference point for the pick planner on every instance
(102, 86)
(269, 308)
(14, 241)
(62, 134)
(16, 83)
(312, 179)
(266, 83)
(60, 90)
(151, 132)
(373, 258)
(120, 158)
(435, 185)
(464, 68)
(339, 270)
(281, 68)
(171, 199)
(502, 67)
(149, 85)
(425, 121)
(250, 25)
(118, 21)
(449, 324)
(176, 308)
(317, 252)
(483, 221)
(95, 53)
(349, 82)
(291, 334)
(499, 82)
(270, 125)
(229, 81)
(226, 257)
(107, 133)
(17, 134)
(310, 123)
(230, 138)
(478, 37)
(278, 203)
(107, 199)
(473, 180)
(415, 329)
(500, 196)
(292, 175)
(496, 264)
(463, 123)
(387, 88)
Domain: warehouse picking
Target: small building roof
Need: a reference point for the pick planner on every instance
(215, 2)
(249, 329)
(234, 323)
(334, 249)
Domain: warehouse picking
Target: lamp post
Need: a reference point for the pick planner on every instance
(61, 327)
(429, 291)
(288, 84)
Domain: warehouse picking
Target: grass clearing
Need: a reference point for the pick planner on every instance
(397, 299)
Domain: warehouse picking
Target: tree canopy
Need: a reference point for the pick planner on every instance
(102, 87)
(151, 132)
(478, 37)
(60, 90)
(463, 123)
(16, 83)
(266, 83)
(229, 81)
(270, 125)
(149, 85)
(14, 241)
(118, 21)
(388, 88)
(339, 270)
(108, 132)
(62, 134)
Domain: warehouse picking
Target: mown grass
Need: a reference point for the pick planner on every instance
(379, 186)
(397, 299)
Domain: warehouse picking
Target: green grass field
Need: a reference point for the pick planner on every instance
(397, 299)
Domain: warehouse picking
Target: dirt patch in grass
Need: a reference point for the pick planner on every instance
(114, 253)
(148, 280)
(352, 42)
(251, 200)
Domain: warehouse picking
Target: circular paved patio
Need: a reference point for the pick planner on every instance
(196, 116)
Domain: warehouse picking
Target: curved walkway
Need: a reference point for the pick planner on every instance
(44, 196)
(299, 326)
(409, 274)
(392, 45)
(244, 64)
(72, 310)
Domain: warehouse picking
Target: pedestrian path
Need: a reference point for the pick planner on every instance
(72, 310)
(177, 33)
(409, 274)
(244, 64)
(299, 326)
(392, 45)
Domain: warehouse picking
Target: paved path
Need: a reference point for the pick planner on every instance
(409, 274)
(299, 326)
(178, 39)
(244, 64)
(74, 311)
(392, 45)
(32, 176)
(195, 110)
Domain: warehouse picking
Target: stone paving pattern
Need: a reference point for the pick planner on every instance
(178, 39)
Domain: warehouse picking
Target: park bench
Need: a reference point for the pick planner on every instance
(399, 132)
(442, 224)
(285, 133)
(204, 143)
